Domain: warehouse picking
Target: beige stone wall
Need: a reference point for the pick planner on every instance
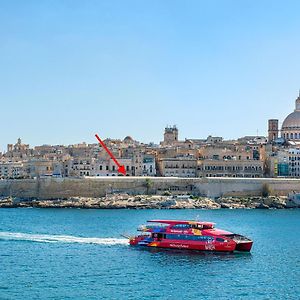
(53, 188)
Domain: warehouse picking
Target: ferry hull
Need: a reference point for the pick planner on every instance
(175, 244)
(199, 247)
(244, 247)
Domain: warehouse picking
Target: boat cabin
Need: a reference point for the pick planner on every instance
(170, 226)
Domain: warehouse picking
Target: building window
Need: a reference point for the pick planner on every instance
(101, 168)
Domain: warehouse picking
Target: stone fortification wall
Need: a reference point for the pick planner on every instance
(53, 188)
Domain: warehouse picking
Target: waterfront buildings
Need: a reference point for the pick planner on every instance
(282, 155)
(277, 155)
(209, 157)
(285, 162)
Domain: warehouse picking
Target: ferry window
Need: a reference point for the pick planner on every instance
(189, 237)
(181, 226)
(197, 226)
(175, 236)
(219, 240)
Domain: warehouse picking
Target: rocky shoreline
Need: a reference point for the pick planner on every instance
(125, 201)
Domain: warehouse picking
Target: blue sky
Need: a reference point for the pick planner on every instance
(72, 68)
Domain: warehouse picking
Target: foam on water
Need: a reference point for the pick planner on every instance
(45, 238)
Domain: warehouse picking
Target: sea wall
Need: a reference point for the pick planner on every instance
(53, 188)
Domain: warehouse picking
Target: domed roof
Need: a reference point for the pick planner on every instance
(292, 121)
(128, 139)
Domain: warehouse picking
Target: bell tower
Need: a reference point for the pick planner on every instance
(170, 135)
(273, 129)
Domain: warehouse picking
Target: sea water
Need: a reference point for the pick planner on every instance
(79, 254)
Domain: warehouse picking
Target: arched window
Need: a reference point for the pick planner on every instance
(292, 136)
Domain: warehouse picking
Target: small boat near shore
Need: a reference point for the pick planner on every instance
(190, 235)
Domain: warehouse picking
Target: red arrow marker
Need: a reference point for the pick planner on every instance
(121, 169)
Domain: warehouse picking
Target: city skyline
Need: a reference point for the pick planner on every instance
(122, 139)
(70, 70)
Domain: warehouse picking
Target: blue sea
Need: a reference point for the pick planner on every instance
(79, 254)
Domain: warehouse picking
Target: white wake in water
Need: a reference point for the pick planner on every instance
(45, 238)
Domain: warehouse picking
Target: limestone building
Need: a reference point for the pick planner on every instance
(170, 135)
(294, 162)
(149, 166)
(178, 166)
(230, 168)
(12, 170)
(18, 151)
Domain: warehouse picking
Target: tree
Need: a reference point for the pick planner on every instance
(267, 169)
(265, 190)
(148, 184)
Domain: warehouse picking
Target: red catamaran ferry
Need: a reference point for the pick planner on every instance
(192, 235)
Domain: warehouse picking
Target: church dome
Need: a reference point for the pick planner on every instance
(292, 121)
(128, 139)
(291, 125)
